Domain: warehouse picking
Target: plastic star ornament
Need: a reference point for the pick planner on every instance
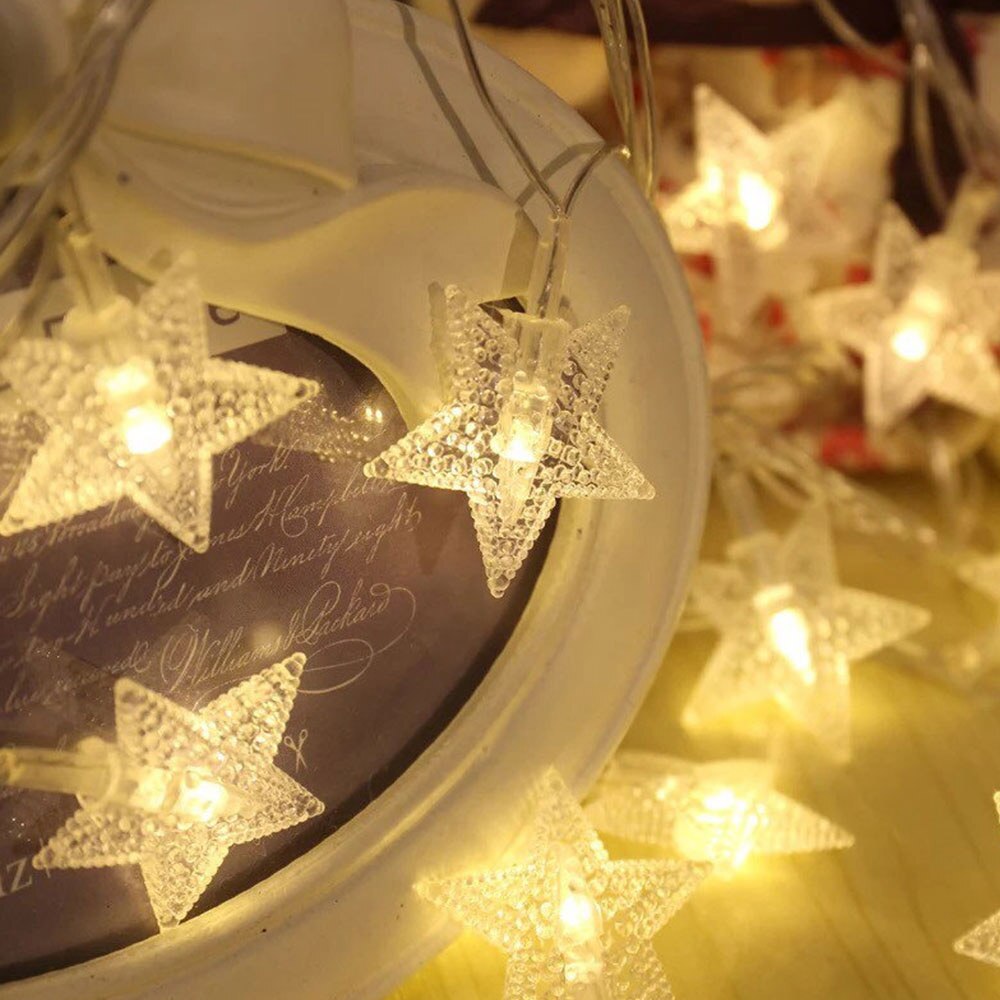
(983, 941)
(923, 324)
(573, 923)
(789, 631)
(177, 789)
(722, 812)
(982, 573)
(520, 428)
(755, 205)
(135, 407)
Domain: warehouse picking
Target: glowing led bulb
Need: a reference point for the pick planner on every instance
(519, 430)
(758, 200)
(789, 631)
(723, 812)
(910, 343)
(177, 789)
(146, 428)
(125, 380)
(808, 622)
(580, 928)
(573, 922)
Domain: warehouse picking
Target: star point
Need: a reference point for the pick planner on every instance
(569, 918)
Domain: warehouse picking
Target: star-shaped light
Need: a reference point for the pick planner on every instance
(983, 941)
(135, 407)
(755, 205)
(520, 427)
(722, 812)
(923, 324)
(572, 922)
(789, 631)
(177, 789)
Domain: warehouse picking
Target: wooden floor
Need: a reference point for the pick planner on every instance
(875, 921)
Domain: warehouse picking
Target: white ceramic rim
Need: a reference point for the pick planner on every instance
(341, 920)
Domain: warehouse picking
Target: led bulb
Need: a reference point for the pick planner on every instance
(790, 634)
(580, 927)
(127, 379)
(720, 825)
(910, 343)
(146, 428)
(758, 201)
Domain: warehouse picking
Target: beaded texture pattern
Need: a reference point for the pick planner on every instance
(959, 367)
(453, 449)
(844, 625)
(517, 908)
(232, 740)
(643, 797)
(708, 215)
(208, 404)
(983, 941)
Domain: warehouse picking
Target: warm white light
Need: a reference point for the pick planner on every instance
(521, 444)
(124, 380)
(910, 343)
(758, 200)
(790, 634)
(374, 415)
(580, 928)
(719, 825)
(146, 429)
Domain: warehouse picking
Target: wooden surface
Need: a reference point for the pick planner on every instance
(877, 920)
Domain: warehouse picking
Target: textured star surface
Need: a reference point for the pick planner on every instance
(518, 908)
(232, 740)
(453, 449)
(983, 941)
(841, 625)
(719, 812)
(206, 403)
(958, 367)
(735, 160)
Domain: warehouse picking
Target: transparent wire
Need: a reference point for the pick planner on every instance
(559, 208)
(931, 68)
(630, 72)
(36, 167)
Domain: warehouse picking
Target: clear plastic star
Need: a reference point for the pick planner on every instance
(789, 631)
(135, 407)
(519, 429)
(755, 206)
(225, 754)
(572, 922)
(722, 812)
(923, 324)
(983, 941)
